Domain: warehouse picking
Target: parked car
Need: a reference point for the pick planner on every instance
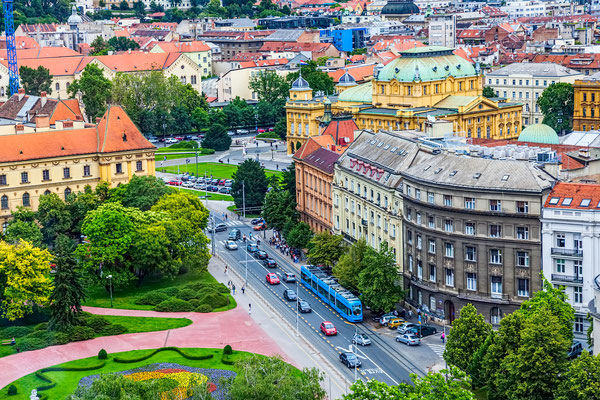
(225, 190)
(381, 317)
(215, 182)
(214, 188)
(422, 330)
(231, 245)
(235, 234)
(328, 328)
(261, 254)
(222, 182)
(195, 137)
(179, 138)
(170, 140)
(199, 186)
(350, 360)
(252, 248)
(575, 350)
(255, 221)
(272, 279)
(270, 263)
(229, 182)
(289, 277)
(386, 319)
(260, 130)
(175, 183)
(361, 339)
(242, 132)
(218, 228)
(303, 306)
(395, 322)
(289, 294)
(231, 133)
(408, 339)
(406, 326)
(152, 139)
(260, 226)
(188, 184)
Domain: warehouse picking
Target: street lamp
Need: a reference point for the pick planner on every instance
(297, 301)
(256, 121)
(110, 289)
(214, 228)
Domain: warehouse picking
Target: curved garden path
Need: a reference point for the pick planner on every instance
(233, 327)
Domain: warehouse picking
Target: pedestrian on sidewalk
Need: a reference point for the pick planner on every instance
(233, 288)
(229, 284)
(409, 314)
(226, 270)
(226, 217)
(443, 337)
(249, 309)
(243, 289)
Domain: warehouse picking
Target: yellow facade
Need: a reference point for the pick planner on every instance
(586, 111)
(302, 113)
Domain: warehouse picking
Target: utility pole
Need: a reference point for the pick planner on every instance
(110, 288)
(297, 300)
(246, 283)
(244, 198)
(214, 227)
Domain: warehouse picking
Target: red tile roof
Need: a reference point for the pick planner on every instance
(61, 66)
(322, 159)
(45, 52)
(341, 129)
(312, 144)
(21, 42)
(183, 47)
(138, 61)
(579, 193)
(295, 47)
(359, 73)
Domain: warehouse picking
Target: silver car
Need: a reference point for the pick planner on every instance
(361, 339)
(231, 245)
(406, 326)
(408, 339)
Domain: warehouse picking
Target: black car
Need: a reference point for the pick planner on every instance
(270, 263)
(255, 221)
(304, 307)
(422, 331)
(350, 360)
(218, 228)
(261, 255)
(214, 188)
(289, 294)
(235, 234)
(289, 277)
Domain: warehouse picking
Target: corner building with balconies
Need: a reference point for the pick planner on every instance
(472, 233)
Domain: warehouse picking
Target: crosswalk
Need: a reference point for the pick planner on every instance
(437, 349)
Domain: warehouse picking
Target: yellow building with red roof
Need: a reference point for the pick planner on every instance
(196, 50)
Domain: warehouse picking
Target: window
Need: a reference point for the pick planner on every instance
(449, 277)
(408, 190)
(86, 170)
(495, 256)
(432, 272)
(578, 327)
(469, 228)
(4, 202)
(496, 285)
(448, 201)
(410, 263)
(46, 193)
(138, 165)
(560, 266)
(67, 193)
(119, 168)
(495, 205)
(469, 203)
(523, 287)
(470, 253)
(66, 172)
(418, 194)
(585, 202)
(46, 175)
(409, 237)
(419, 218)
(193, 79)
(430, 197)
(419, 242)
(432, 246)
(431, 222)
(522, 259)
(471, 281)
(449, 225)
(567, 201)
(26, 200)
(560, 240)
(495, 315)
(449, 250)
(419, 269)
(578, 267)
(3, 179)
(57, 86)
(522, 233)
(522, 207)
(496, 231)
(578, 294)
(24, 177)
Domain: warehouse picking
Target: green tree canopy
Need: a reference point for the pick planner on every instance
(95, 91)
(299, 235)
(488, 92)
(143, 192)
(581, 381)
(288, 179)
(378, 279)
(26, 230)
(279, 208)
(54, 216)
(217, 138)
(252, 174)
(122, 43)
(325, 249)
(557, 103)
(348, 268)
(317, 79)
(35, 81)
(100, 47)
(269, 86)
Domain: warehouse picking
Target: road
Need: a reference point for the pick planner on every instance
(384, 360)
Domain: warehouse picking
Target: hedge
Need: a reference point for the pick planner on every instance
(174, 305)
(51, 383)
(175, 349)
(152, 298)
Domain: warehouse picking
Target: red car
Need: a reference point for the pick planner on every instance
(222, 182)
(328, 328)
(175, 183)
(180, 138)
(260, 226)
(273, 279)
(260, 130)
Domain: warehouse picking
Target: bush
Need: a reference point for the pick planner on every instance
(187, 294)
(268, 135)
(82, 333)
(61, 338)
(184, 144)
(204, 308)
(174, 305)
(97, 323)
(113, 329)
(46, 336)
(195, 303)
(152, 298)
(227, 350)
(222, 288)
(12, 390)
(215, 300)
(16, 332)
(41, 327)
(102, 355)
(33, 343)
(170, 291)
(196, 286)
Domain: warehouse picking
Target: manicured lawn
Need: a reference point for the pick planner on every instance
(162, 152)
(125, 297)
(217, 170)
(67, 381)
(211, 195)
(233, 208)
(148, 324)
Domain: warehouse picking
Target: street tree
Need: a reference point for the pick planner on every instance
(251, 175)
(35, 80)
(317, 79)
(122, 43)
(279, 207)
(557, 103)
(451, 384)
(216, 138)
(288, 179)
(299, 236)
(325, 249)
(95, 91)
(488, 92)
(24, 279)
(280, 128)
(68, 294)
(378, 279)
(269, 86)
(347, 270)
(143, 192)
(581, 381)
(468, 333)
(54, 216)
(200, 119)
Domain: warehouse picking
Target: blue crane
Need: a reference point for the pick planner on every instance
(11, 48)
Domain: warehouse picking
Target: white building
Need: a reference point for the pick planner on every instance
(525, 82)
(518, 9)
(442, 30)
(571, 245)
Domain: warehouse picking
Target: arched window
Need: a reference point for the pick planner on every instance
(26, 200)
(67, 193)
(4, 202)
(46, 193)
(57, 86)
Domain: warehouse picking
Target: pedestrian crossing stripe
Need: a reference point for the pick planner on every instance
(438, 349)
(234, 223)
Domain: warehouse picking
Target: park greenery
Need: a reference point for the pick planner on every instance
(101, 47)
(35, 80)
(557, 103)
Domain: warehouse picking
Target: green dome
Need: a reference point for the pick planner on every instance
(425, 64)
(400, 7)
(358, 94)
(539, 133)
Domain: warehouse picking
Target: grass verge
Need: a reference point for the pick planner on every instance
(148, 324)
(217, 170)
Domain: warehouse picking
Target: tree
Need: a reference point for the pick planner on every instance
(200, 119)
(35, 81)
(488, 92)
(257, 375)
(143, 192)
(67, 295)
(217, 138)
(325, 249)
(468, 333)
(317, 79)
(99, 47)
(279, 207)
(23, 226)
(124, 5)
(140, 9)
(118, 387)
(251, 175)
(77, 206)
(269, 86)
(581, 381)
(322, 61)
(288, 179)
(299, 236)
(280, 128)
(556, 103)
(122, 43)
(95, 91)
(451, 384)
(54, 217)
(348, 268)
(378, 279)
(24, 278)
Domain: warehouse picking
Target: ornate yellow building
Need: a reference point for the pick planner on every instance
(424, 82)
(586, 111)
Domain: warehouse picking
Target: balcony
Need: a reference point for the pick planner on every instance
(567, 278)
(561, 251)
(478, 296)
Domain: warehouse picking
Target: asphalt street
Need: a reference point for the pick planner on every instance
(385, 360)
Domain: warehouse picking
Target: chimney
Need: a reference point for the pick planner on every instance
(21, 93)
(43, 98)
(98, 120)
(19, 128)
(42, 121)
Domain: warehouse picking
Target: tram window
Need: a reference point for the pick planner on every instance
(322, 291)
(356, 310)
(305, 277)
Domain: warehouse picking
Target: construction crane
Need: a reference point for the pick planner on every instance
(11, 48)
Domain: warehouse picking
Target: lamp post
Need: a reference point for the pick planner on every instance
(214, 228)
(297, 301)
(244, 199)
(110, 289)
(256, 122)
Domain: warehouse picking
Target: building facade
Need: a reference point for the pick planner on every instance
(525, 82)
(571, 245)
(64, 161)
(586, 111)
(472, 233)
(442, 30)
(197, 51)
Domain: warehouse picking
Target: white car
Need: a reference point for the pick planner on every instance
(188, 184)
(170, 140)
(231, 245)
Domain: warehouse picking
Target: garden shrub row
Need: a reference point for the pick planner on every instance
(176, 349)
(198, 296)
